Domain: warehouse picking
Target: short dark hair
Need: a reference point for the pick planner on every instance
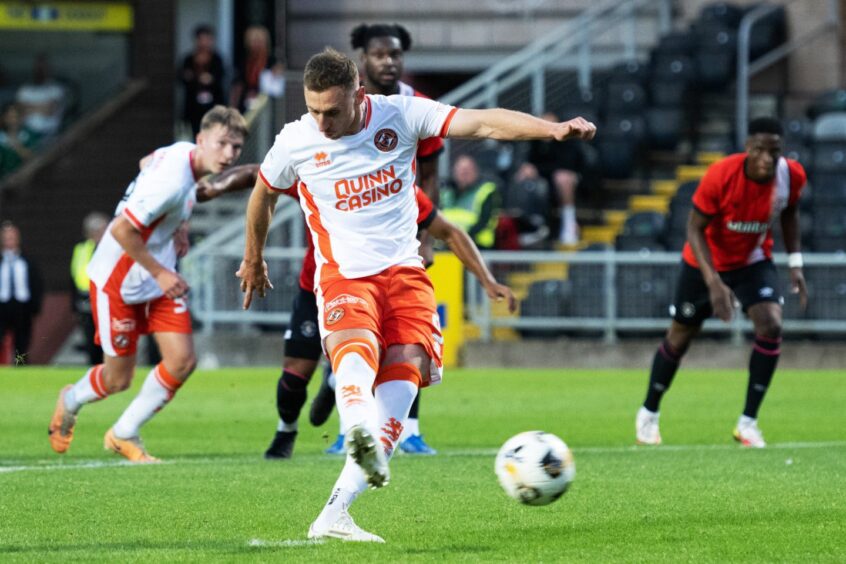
(765, 124)
(330, 68)
(230, 118)
(362, 34)
(203, 29)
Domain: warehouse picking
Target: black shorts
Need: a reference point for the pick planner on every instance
(302, 338)
(751, 284)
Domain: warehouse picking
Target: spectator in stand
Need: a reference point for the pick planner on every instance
(42, 100)
(257, 59)
(16, 140)
(21, 290)
(472, 202)
(202, 77)
(93, 226)
(562, 166)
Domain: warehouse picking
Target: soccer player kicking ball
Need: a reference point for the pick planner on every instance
(352, 159)
(728, 255)
(135, 289)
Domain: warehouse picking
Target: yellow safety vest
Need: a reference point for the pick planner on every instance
(465, 211)
(82, 253)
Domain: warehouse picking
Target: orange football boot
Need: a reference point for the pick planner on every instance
(131, 449)
(61, 425)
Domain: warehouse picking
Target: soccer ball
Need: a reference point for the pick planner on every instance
(535, 468)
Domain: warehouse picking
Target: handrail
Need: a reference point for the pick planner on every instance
(747, 69)
(74, 135)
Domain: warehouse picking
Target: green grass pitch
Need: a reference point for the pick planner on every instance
(698, 498)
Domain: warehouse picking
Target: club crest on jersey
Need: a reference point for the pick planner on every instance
(385, 140)
(321, 159)
(334, 316)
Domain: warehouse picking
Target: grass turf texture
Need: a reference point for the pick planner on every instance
(697, 498)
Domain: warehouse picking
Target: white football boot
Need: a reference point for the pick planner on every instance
(343, 528)
(646, 427)
(748, 434)
(366, 451)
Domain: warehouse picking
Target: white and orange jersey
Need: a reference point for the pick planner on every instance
(159, 199)
(357, 192)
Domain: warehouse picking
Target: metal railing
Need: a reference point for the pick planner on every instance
(746, 69)
(609, 293)
(520, 81)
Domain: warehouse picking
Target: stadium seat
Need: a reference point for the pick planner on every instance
(675, 44)
(797, 132)
(822, 244)
(546, 298)
(832, 101)
(587, 290)
(715, 56)
(828, 188)
(685, 191)
(630, 71)
(644, 224)
(618, 157)
(829, 221)
(830, 127)
(664, 127)
(640, 244)
(829, 157)
(625, 98)
(723, 13)
(827, 292)
(669, 80)
(630, 126)
(644, 290)
(768, 33)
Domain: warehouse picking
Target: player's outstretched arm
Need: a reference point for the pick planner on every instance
(253, 270)
(460, 243)
(128, 236)
(719, 293)
(241, 177)
(792, 244)
(508, 125)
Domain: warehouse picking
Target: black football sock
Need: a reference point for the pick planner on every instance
(664, 367)
(762, 365)
(290, 396)
(414, 412)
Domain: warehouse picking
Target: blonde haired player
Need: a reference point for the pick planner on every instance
(135, 288)
(352, 159)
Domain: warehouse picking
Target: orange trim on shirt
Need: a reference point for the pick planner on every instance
(316, 226)
(274, 188)
(125, 262)
(133, 220)
(447, 121)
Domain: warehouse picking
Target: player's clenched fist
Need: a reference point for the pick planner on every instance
(172, 284)
(576, 128)
(254, 278)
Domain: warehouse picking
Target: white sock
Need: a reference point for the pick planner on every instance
(568, 223)
(283, 427)
(393, 399)
(88, 389)
(157, 390)
(745, 420)
(412, 427)
(353, 398)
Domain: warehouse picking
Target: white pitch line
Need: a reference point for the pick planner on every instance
(99, 464)
(284, 543)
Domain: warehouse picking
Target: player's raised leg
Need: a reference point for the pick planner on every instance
(161, 384)
(116, 333)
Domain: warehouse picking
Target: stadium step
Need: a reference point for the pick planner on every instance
(686, 173)
(666, 187)
(655, 202)
(616, 218)
(708, 157)
(606, 234)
